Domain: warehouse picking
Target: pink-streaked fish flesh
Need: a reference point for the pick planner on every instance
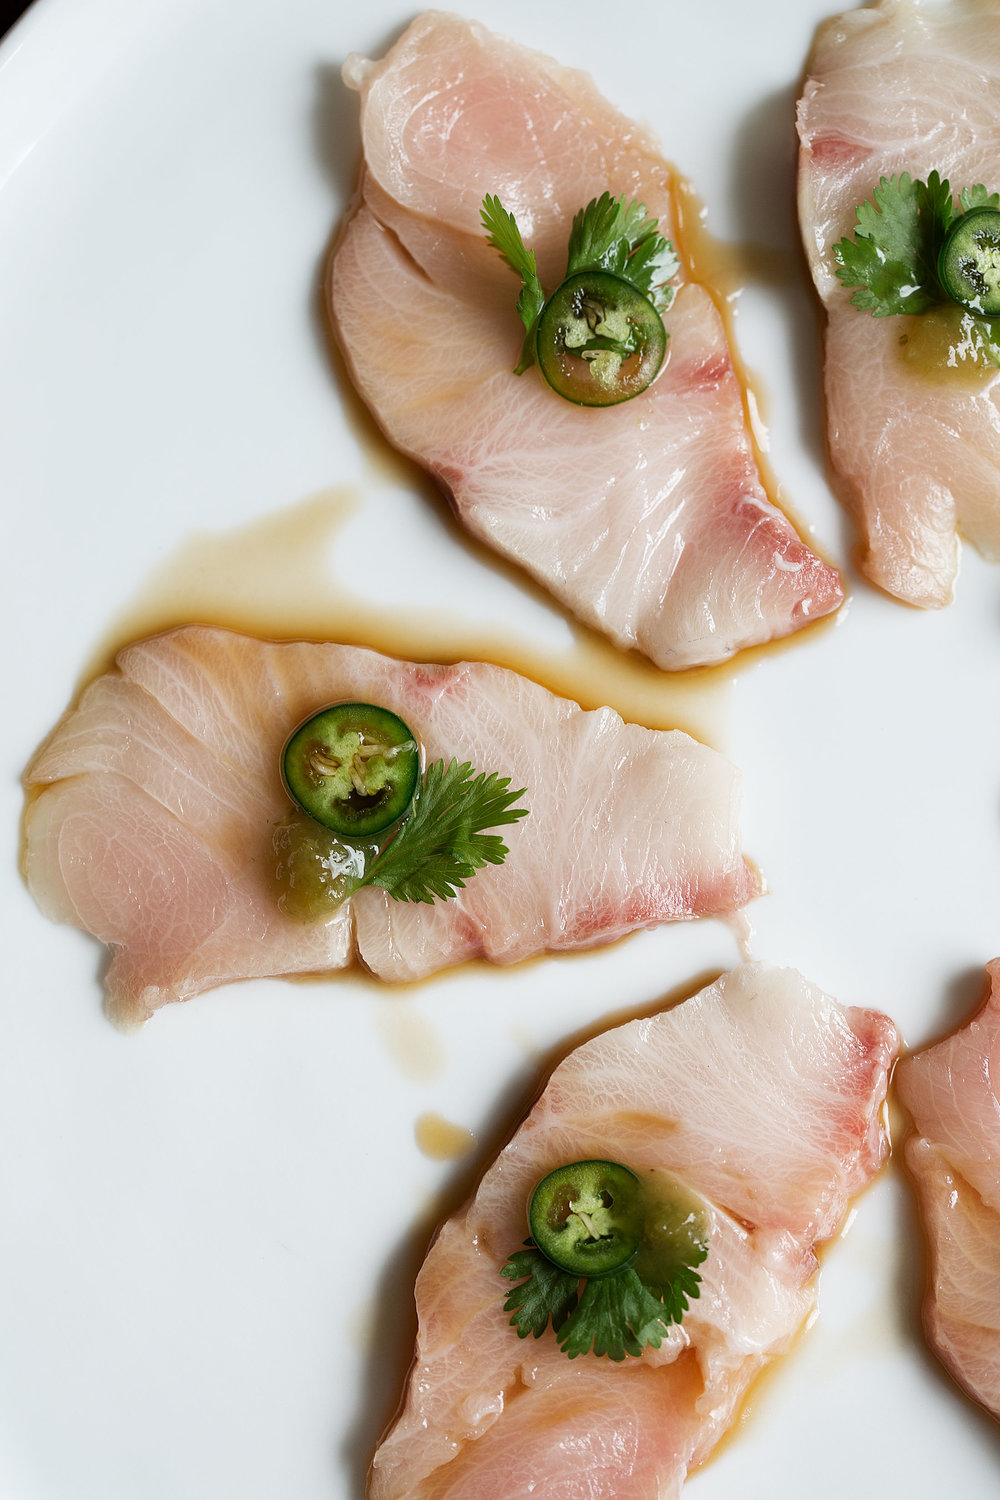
(952, 1091)
(763, 1096)
(913, 419)
(647, 520)
(154, 801)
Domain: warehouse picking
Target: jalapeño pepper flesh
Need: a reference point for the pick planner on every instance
(969, 262)
(354, 767)
(587, 1218)
(599, 340)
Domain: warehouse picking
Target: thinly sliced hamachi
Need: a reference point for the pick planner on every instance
(153, 805)
(952, 1090)
(647, 520)
(913, 431)
(763, 1095)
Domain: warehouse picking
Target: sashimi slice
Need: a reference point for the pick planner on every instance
(763, 1095)
(153, 805)
(952, 1090)
(647, 520)
(913, 428)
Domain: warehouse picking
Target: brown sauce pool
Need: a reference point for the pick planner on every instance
(277, 578)
(724, 270)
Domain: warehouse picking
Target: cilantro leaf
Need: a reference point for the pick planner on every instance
(620, 237)
(605, 232)
(652, 264)
(442, 844)
(504, 235)
(548, 1293)
(978, 197)
(677, 1294)
(892, 259)
(614, 1316)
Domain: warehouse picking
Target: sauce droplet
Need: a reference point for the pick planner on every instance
(439, 1139)
(410, 1039)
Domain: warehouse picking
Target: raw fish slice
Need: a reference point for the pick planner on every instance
(153, 805)
(180, 911)
(617, 1439)
(119, 726)
(952, 1090)
(570, 888)
(648, 520)
(914, 445)
(774, 1156)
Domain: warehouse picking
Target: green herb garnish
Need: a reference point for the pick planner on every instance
(901, 257)
(505, 236)
(612, 1315)
(443, 843)
(615, 1312)
(440, 845)
(599, 338)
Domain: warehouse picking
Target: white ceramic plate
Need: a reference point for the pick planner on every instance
(210, 1229)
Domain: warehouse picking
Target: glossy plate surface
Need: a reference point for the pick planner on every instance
(210, 1229)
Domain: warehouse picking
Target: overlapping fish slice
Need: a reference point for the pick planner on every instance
(952, 1091)
(648, 520)
(153, 806)
(763, 1096)
(913, 423)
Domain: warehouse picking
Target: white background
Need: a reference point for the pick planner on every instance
(209, 1230)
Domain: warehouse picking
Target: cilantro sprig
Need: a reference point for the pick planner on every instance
(892, 260)
(613, 1315)
(443, 842)
(611, 237)
(621, 237)
(504, 235)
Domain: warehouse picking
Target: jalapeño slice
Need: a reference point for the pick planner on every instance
(969, 262)
(599, 339)
(353, 767)
(586, 1218)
